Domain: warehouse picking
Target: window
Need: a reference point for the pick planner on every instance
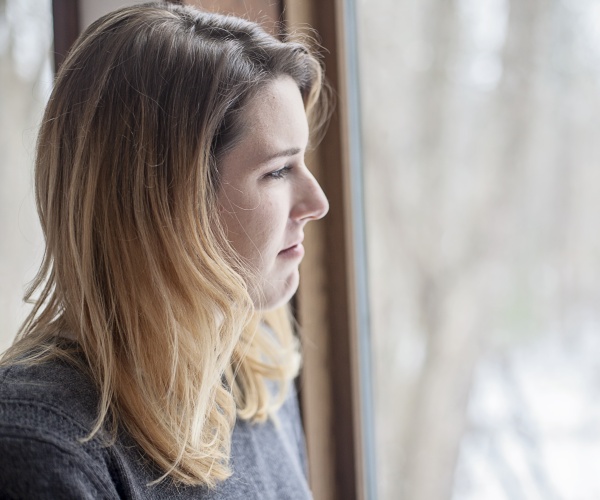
(479, 128)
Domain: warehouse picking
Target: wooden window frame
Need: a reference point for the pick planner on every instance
(65, 22)
(331, 303)
(332, 298)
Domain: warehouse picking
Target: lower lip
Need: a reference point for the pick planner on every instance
(295, 252)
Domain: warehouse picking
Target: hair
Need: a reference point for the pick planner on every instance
(137, 268)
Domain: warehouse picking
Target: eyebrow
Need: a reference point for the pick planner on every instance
(284, 153)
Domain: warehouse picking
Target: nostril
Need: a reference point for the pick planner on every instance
(315, 205)
(311, 204)
(323, 207)
(322, 203)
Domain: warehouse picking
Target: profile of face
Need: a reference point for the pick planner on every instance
(267, 194)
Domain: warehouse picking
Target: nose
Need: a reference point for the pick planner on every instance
(311, 203)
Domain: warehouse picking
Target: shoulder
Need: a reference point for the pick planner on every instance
(53, 396)
(46, 412)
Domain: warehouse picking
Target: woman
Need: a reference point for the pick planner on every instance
(172, 191)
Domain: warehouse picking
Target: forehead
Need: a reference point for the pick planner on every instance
(274, 120)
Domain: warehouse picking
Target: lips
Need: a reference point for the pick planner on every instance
(293, 245)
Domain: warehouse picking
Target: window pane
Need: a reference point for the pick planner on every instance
(25, 81)
(480, 127)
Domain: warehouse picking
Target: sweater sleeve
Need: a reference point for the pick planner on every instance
(41, 467)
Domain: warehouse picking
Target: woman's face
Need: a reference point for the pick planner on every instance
(267, 194)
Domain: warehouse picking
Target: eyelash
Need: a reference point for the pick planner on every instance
(279, 174)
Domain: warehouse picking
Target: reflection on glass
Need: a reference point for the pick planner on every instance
(25, 80)
(480, 122)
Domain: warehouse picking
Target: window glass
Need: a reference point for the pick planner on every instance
(25, 81)
(480, 126)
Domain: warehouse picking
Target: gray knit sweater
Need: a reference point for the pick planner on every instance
(45, 409)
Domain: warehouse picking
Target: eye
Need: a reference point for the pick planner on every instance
(279, 174)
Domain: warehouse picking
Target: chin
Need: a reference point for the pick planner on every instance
(277, 293)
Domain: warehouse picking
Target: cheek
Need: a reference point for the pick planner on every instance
(254, 225)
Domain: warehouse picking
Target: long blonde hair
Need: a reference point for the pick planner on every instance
(137, 268)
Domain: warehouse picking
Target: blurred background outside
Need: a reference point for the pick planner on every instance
(25, 84)
(481, 141)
